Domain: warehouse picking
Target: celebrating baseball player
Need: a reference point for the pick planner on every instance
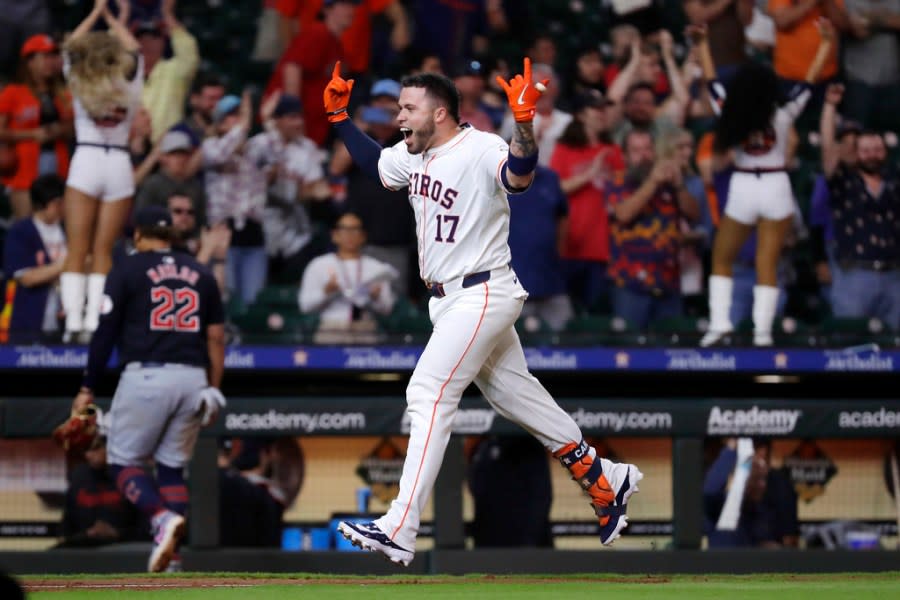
(458, 180)
(163, 311)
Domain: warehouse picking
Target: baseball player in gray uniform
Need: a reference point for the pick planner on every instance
(163, 311)
(458, 179)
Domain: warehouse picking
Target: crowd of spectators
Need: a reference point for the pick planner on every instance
(621, 216)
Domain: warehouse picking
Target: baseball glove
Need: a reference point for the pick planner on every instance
(77, 433)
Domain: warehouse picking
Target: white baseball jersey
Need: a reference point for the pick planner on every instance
(114, 129)
(766, 149)
(460, 205)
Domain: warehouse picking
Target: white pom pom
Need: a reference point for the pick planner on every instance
(540, 87)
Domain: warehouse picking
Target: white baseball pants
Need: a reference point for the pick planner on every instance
(473, 340)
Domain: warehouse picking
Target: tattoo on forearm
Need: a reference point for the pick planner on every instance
(522, 143)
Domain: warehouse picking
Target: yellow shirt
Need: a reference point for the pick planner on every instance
(166, 87)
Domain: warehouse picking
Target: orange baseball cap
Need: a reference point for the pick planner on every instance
(38, 43)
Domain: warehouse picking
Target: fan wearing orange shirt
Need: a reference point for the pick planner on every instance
(296, 16)
(797, 41)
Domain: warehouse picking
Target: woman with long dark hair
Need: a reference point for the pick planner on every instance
(752, 134)
(105, 74)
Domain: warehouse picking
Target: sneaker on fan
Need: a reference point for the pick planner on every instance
(168, 529)
(369, 536)
(609, 497)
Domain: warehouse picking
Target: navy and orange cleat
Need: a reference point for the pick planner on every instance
(369, 536)
(608, 484)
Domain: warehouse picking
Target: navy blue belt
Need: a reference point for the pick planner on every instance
(136, 364)
(437, 289)
(106, 147)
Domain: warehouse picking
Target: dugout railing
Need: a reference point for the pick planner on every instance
(684, 407)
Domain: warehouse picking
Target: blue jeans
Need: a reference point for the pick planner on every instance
(641, 309)
(246, 270)
(865, 293)
(744, 277)
(587, 282)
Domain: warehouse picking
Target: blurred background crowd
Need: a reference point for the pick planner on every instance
(232, 138)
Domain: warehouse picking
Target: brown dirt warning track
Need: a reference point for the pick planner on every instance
(147, 582)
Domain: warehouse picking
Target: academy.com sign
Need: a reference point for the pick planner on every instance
(866, 419)
(622, 421)
(274, 420)
(753, 421)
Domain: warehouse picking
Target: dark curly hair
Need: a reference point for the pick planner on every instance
(439, 88)
(752, 97)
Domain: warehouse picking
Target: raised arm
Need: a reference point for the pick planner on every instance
(364, 150)
(400, 33)
(827, 128)
(118, 26)
(675, 105)
(623, 81)
(89, 21)
(522, 94)
(698, 36)
(827, 33)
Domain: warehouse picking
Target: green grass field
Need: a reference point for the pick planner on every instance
(856, 586)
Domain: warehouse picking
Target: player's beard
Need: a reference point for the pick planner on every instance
(421, 138)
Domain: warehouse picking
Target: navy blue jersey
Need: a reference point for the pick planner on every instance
(156, 308)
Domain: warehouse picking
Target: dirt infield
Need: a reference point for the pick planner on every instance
(149, 582)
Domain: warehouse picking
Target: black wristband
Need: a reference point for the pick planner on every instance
(336, 112)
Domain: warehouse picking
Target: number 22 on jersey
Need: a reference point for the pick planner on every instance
(174, 310)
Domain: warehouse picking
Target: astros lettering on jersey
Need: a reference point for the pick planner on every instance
(458, 231)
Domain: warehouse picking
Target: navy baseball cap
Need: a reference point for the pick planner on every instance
(386, 87)
(288, 105)
(224, 107)
(848, 126)
(471, 67)
(152, 215)
(377, 116)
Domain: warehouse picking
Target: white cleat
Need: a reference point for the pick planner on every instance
(169, 528)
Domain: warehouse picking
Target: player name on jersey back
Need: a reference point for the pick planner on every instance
(167, 270)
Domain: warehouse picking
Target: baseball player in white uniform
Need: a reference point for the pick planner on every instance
(754, 129)
(458, 180)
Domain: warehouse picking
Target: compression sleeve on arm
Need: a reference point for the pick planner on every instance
(364, 150)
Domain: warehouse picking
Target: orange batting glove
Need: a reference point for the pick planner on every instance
(522, 93)
(337, 96)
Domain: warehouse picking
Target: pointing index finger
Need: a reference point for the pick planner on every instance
(336, 74)
(527, 73)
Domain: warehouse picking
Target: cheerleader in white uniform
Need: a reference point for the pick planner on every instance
(752, 133)
(105, 74)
